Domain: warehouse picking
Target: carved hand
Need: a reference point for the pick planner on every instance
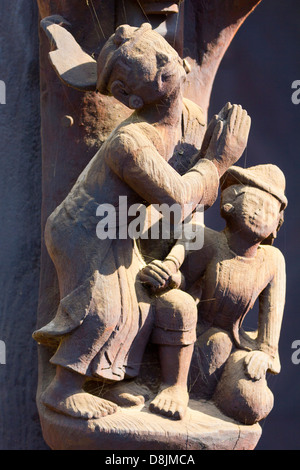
(256, 364)
(159, 276)
(226, 137)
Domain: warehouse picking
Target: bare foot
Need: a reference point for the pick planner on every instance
(171, 402)
(128, 393)
(76, 403)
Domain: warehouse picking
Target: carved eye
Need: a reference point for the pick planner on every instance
(165, 77)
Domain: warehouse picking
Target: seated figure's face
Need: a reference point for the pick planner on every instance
(254, 211)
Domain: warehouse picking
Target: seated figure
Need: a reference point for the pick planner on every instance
(106, 316)
(234, 268)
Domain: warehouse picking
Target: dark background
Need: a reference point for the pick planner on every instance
(257, 72)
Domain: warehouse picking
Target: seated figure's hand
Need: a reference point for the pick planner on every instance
(157, 275)
(226, 137)
(256, 364)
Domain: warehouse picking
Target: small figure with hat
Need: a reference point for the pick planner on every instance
(235, 267)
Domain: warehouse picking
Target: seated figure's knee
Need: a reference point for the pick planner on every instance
(239, 397)
(175, 318)
(212, 349)
(216, 346)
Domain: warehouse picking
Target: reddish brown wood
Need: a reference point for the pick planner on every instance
(75, 124)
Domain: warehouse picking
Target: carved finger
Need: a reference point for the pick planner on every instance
(238, 119)
(156, 273)
(160, 268)
(217, 134)
(255, 366)
(208, 134)
(159, 273)
(223, 114)
(243, 121)
(251, 372)
(232, 118)
(255, 371)
(247, 127)
(153, 279)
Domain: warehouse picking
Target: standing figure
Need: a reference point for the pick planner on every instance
(105, 316)
(234, 268)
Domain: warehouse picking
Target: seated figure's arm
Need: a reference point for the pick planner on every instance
(271, 307)
(160, 275)
(168, 273)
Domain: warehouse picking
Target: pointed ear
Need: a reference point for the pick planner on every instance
(73, 66)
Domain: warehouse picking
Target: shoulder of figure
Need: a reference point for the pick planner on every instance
(273, 255)
(135, 134)
(125, 144)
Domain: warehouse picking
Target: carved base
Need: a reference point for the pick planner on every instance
(203, 428)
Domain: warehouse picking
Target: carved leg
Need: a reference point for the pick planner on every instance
(172, 399)
(212, 349)
(175, 332)
(65, 395)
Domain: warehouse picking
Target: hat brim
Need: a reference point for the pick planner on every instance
(238, 175)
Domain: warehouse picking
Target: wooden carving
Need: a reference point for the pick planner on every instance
(120, 300)
(102, 303)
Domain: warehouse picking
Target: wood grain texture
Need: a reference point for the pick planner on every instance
(93, 118)
(204, 428)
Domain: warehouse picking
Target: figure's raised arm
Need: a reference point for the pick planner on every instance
(139, 164)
